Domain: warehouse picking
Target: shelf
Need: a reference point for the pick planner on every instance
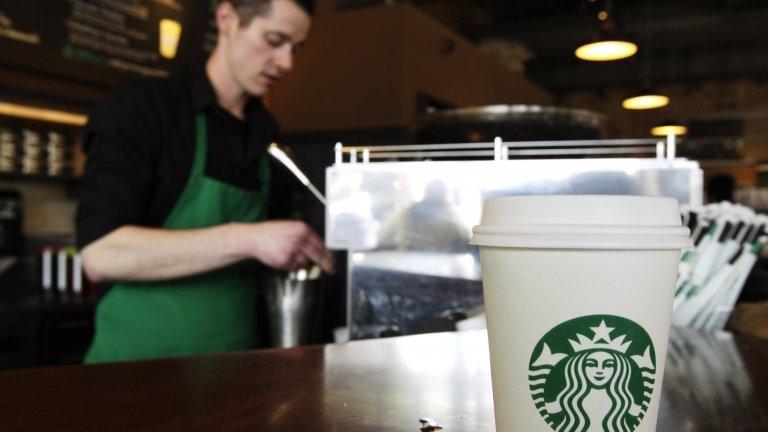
(67, 179)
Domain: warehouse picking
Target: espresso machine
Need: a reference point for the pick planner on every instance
(405, 212)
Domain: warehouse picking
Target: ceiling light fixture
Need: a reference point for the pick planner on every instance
(606, 45)
(647, 98)
(606, 50)
(645, 101)
(669, 127)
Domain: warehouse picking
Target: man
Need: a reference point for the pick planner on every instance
(175, 194)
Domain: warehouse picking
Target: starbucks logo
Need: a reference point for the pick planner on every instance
(594, 373)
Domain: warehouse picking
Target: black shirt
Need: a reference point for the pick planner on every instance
(140, 145)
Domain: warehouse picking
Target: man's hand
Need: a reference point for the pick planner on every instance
(284, 245)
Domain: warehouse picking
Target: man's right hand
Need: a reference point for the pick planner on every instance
(284, 245)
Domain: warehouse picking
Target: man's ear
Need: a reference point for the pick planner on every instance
(227, 20)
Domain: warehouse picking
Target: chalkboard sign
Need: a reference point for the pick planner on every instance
(104, 41)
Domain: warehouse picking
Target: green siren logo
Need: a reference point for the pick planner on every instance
(599, 383)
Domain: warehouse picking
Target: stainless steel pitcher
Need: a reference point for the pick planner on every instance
(294, 302)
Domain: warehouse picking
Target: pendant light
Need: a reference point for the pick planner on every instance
(606, 45)
(669, 127)
(647, 98)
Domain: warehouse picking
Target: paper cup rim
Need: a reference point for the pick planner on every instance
(553, 236)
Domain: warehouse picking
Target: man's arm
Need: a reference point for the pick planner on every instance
(133, 253)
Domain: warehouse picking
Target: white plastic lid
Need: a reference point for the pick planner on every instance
(581, 222)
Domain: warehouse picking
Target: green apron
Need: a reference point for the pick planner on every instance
(209, 313)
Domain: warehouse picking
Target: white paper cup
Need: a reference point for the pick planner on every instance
(578, 296)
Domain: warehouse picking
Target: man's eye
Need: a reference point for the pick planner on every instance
(274, 41)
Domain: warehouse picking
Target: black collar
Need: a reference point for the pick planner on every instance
(204, 97)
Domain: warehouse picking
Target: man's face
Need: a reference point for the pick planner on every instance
(262, 52)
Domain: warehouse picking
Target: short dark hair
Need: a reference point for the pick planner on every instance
(248, 9)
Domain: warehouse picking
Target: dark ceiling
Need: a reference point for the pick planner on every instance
(681, 41)
(516, 10)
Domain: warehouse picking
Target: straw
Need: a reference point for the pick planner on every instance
(727, 240)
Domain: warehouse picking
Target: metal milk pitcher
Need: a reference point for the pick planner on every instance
(294, 302)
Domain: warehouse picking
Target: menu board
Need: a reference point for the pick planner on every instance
(102, 41)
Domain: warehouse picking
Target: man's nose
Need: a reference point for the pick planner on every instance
(284, 58)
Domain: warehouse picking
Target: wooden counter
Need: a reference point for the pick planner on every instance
(713, 382)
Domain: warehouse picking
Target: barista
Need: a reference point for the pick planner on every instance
(176, 195)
